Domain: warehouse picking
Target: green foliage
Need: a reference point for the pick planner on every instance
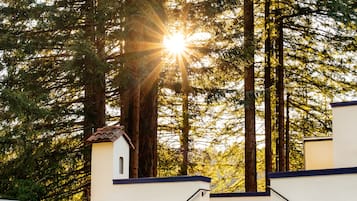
(225, 167)
(26, 190)
(44, 48)
(168, 160)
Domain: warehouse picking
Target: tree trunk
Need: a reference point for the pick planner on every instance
(148, 134)
(185, 133)
(149, 94)
(185, 118)
(287, 133)
(280, 94)
(267, 101)
(94, 83)
(130, 95)
(249, 99)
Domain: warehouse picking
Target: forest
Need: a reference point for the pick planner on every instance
(226, 89)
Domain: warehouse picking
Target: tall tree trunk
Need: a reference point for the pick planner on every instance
(185, 89)
(149, 92)
(267, 101)
(94, 83)
(280, 93)
(148, 130)
(287, 133)
(185, 133)
(89, 95)
(99, 83)
(249, 99)
(135, 126)
(185, 117)
(148, 133)
(130, 95)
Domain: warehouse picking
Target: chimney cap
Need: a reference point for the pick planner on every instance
(109, 134)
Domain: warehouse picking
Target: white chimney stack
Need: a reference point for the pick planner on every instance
(344, 128)
(110, 160)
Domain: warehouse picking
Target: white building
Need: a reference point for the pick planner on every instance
(330, 175)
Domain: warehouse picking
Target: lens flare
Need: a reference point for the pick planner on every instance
(175, 43)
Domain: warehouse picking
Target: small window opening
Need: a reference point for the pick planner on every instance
(121, 165)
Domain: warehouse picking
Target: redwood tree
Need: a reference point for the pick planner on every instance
(267, 99)
(130, 94)
(93, 79)
(280, 93)
(153, 34)
(249, 99)
(144, 31)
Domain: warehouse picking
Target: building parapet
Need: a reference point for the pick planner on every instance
(341, 104)
(161, 179)
(306, 173)
(240, 194)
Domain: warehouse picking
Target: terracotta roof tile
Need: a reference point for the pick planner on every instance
(109, 134)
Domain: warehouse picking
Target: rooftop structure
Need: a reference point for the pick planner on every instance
(330, 175)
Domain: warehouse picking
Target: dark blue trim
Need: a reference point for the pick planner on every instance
(351, 170)
(315, 139)
(243, 194)
(161, 179)
(341, 104)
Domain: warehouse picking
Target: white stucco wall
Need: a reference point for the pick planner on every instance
(344, 125)
(105, 158)
(101, 170)
(121, 149)
(318, 153)
(172, 191)
(241, 198)
(316, 188)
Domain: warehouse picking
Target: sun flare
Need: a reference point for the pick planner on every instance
(175, 43)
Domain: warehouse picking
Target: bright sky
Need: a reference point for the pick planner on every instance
(175, 43)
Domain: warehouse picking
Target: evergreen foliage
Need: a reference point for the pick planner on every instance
(50, 54)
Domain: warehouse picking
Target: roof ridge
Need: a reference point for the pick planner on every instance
(109, 134)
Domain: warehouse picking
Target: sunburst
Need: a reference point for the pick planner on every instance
(163, 44)
(175, 44)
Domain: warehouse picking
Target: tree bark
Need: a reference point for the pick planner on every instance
(94, 83)
(280, 94)
(267, 98)
(148, 134)
(287, 133)
(149, 92)
(185, 118)
(249, 99)
(130, 95)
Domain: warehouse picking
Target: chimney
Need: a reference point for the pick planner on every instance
(344, 127)
(110, 160)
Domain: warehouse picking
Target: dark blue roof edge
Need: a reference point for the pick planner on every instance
(161, 179)
(240, 194)
(315, 139)
(340, 104)
(304, 173)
